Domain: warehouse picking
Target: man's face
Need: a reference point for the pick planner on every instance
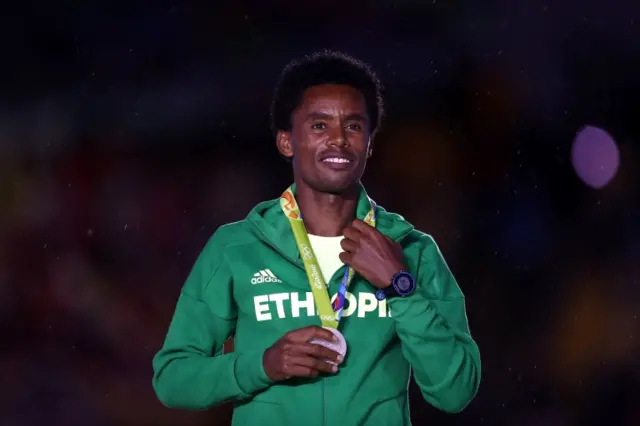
(329, 140)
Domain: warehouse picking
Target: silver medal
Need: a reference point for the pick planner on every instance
(340, 346)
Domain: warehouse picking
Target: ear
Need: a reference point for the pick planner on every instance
(370, 150)
(283, 142)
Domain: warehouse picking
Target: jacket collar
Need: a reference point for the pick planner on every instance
(271, 225)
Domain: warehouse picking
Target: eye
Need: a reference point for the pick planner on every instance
(318, 126)
(356, 127)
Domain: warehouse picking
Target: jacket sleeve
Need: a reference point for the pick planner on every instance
(190, 371)
(434, 333)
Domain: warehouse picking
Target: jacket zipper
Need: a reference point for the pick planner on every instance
(324, 380)
(324, 402)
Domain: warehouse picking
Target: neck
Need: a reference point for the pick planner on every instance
(326, 214)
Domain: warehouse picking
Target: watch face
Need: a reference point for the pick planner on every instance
(403, 283)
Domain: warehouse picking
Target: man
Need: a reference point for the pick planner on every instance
(332, 300)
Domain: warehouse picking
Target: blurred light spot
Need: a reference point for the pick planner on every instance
(595, 157)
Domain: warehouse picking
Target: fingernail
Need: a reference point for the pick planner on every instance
(334, 368)
(340, 359)
(335, 338)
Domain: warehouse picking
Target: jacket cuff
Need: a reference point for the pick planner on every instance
(249, 372)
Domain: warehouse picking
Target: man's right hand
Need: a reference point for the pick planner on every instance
(293, 356)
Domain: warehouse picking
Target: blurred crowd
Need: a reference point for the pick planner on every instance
(99, 229)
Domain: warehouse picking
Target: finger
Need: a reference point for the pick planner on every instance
(304, 371)
(311, 363)
(349, 245)
(303, 335)
(352, 233)
(361, 226)
(346, 257)
(299, 371)
(317, 351)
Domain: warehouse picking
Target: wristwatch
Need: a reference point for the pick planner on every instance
(402, 285)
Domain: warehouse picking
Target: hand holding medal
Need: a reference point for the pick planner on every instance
(295, 354)
(337, 344)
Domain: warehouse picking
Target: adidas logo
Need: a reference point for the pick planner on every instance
(264, 276)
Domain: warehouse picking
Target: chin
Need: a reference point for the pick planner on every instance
(335, 186)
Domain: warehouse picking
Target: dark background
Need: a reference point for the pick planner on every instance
(130, 131)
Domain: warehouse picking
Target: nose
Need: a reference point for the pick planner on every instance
(338, 137)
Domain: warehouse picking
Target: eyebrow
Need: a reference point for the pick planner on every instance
(323, 116)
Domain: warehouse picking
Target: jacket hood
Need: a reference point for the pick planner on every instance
(270, 224)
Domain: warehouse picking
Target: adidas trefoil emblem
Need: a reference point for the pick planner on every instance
(264, 276)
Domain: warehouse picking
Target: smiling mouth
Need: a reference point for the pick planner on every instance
(336, 160)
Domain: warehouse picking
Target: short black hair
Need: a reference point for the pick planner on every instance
(325, 67)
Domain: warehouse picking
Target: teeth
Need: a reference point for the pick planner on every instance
(336, 160)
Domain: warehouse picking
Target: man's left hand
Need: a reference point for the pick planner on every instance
(374, 256)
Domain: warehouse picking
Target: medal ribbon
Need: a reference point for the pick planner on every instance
(330, 314)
